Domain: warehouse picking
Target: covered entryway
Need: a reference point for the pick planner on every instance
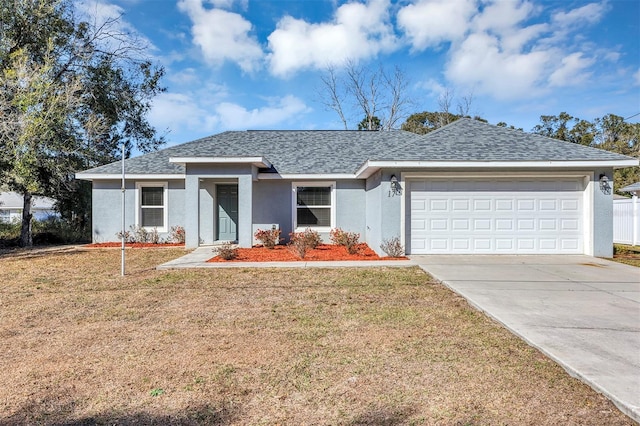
(227, 212)
(509, 215)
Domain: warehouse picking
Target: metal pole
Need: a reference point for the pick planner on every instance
(123, 216)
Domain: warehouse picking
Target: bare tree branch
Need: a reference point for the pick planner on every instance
(378, 98)
(332, 99)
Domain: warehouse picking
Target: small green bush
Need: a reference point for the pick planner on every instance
(49, 231)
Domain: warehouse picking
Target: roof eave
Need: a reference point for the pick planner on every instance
(137, 176)
(257, 161)
(372, 166)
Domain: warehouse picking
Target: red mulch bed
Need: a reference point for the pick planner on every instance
(133, 245)
(322, 252)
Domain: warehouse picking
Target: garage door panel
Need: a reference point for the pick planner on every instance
(569, 205)
(418, 225)
(521, 216)
(569, 224)
(526, 224)
(547, 225)
(458, 205)
(548, 205)
(418, 205)
(460, 225)
(481, 224)
(504, 205)
(460, 244)
(570, 244)
(503, 244)
(482, 244)
(504, 225)
(441, 205)
(438, 225)
(482, 205)
(548, 244)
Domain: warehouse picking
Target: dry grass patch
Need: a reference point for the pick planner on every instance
(629, 255)
(80, 345)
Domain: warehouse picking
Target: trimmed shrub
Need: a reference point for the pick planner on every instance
(392, 247)
(268, 238)
(301, 242)
(176, 234)
(312, 238)
(227, 251)
(137, 234)
(349, 240)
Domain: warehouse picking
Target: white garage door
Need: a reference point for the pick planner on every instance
(486, 216)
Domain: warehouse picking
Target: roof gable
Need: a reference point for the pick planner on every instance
(472, 140)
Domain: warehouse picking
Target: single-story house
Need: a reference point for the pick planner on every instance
(12, 204)
(468, 187)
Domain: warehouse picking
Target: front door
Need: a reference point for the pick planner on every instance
(227, 216)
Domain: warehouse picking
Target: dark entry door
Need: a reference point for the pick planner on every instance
(227, 217)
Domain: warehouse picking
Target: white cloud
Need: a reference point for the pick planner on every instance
(502, 16)
(428, 23)
(357, 31)
(636, 78)
(222, 35)
(176, 112)
(228, 4)
(479, 62)
(506, 20)
(505, 49)
(195, 112)
(572, 71)
(590, 13)
(233, 116)
(433, 87)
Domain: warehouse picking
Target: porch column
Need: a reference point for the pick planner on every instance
(245, 210)
(192, 211)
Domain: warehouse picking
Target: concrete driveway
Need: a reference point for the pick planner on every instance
(581, 311)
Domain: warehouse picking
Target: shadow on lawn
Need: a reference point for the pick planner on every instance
(203, 415)
(382, 417)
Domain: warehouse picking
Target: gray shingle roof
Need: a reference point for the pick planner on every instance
(329, 152)
(472, 140)
(634, 187)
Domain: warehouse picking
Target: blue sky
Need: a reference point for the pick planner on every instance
(243, 64)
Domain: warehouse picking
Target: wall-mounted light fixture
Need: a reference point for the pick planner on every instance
(396, 189)
(605, 187)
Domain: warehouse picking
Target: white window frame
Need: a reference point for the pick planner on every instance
(294, 205)
(165, 206)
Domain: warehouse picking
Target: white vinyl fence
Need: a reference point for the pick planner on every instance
(626, 221)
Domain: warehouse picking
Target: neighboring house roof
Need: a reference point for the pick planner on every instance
(345, 152)
(634, 187)
(13, 200)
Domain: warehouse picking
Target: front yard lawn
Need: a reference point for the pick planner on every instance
(80, 345)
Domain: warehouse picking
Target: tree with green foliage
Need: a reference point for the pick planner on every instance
(428, 121)
(611, 133)
(371, 123)
(71, 93)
